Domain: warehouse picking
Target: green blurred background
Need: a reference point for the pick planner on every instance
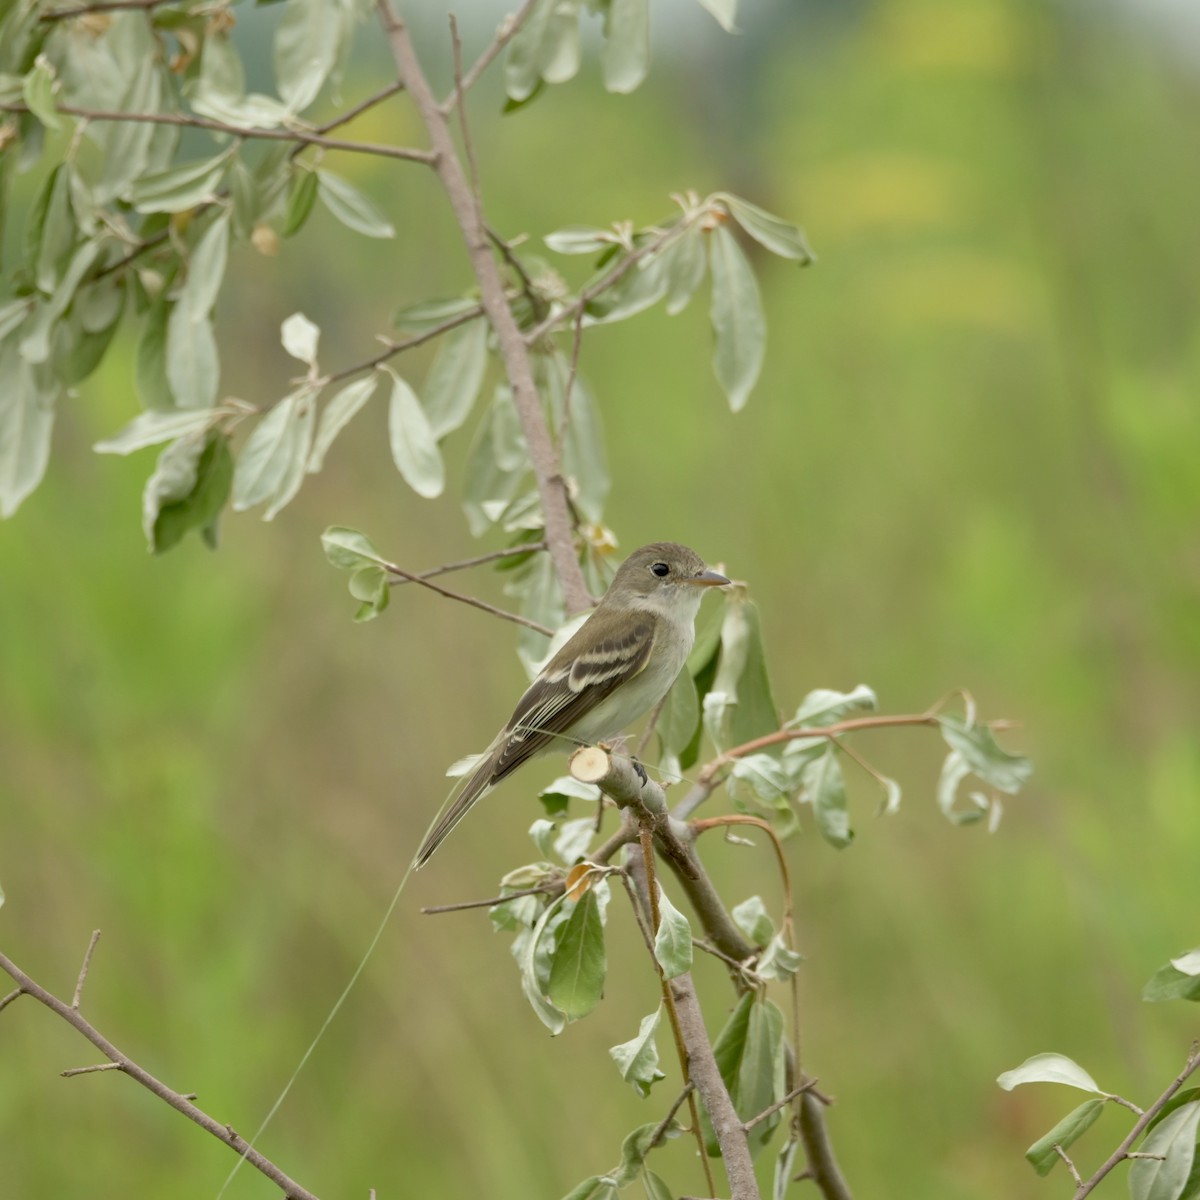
(972, 461)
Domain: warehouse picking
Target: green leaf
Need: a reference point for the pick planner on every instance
(595, 1187)
(455, 377)
(179, 188)
(1170, 983)
(673, 941)
(272, 461)
(826, 707)
(301, 199)
(496, 464)
(637, 1059)
(777, 235)
(778, 961)
(636, 1146)
(785, 1160)
(26, 419)
(581, 239)
(1042, 1154)
(351, 207)
(680, 716)
(751, 917)
(150, 366)
(579, 965)
(656, 1189)
(625, 58)
(740, 707)
(531, 980)
(370, 586)
(771, 780)
(725, 12)
(206, 269)
(337, 414)
(737, 319)
(193, 368)
(300, 338)
(684, 263)
(556, 797)
(574, 838)
(584, 458)
(429, 314)
(38, 91)
(13, 314)
(954, 771)
(1188, 963)
(188, 489)
(643, 285)
(825, 790)
(523, 59)
(151, 428)
(980, 751)
(414, 448)
(307, 42)
(1049, 1068)
(349, 549)
(1174, 1139)
(36, 344)
(52, 231)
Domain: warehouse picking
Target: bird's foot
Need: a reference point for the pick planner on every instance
(641, 771)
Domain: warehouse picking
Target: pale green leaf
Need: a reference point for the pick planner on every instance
(825, 706)
(453, 382)
(673, 941)
(581, 239)
(684, 263)
(725, 12)
(778, 961)
(38, 91)
(1049, 1068)
(637, 1145)
(739, 706)
(643, 285)
(625, 58)
(266, 464)
(561, 53)
(777, 235)
(737, 319)
(574, 838)
(13, 314)
(300, 338)
(1189, 963)
(206, 270)
(637, 1059)
(301, 198)
(1173, 1141)
(188, 489)
(370, 586)
(337, 414)
(656, 1187)
(193, 369)
(1170, 983)
(181, 187)
(349, 549)
(825, 790)
(595, 1187)
(429, 314)
(1043, 1155)
(523, 58)
(414, 448)
(150, 365)
(351, 207)
(531, 982)
(52, 231)
(751, 917)
(155, 426)
(785, 1160)
(307, 42)
(299, 446)
(980, 751)
(27, 402)
(36, 343)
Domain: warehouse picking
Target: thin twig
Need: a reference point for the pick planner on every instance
(665, 1123)
(11, 997)
(82, 10)
(807, 1085)
(463, 563)
(83, 970)
(1069, 1164)
(180, 1103)
(544, 889)
(408, 153)
(106, 1066)
(350, 114)
(463, 598)
(507, 31)
(468, 147)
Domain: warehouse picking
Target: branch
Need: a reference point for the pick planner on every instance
(65, 14)
(552, 487)
(122, 1062)
(505, 34)
(1122, 1151)
(478, 560)
(408, 153)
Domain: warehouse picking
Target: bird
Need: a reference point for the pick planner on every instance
(618, 665)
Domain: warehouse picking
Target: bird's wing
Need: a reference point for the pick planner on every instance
(570, 688)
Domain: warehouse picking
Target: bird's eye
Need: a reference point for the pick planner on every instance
(661, 570)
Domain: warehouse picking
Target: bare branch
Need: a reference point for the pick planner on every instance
(1069, 1164)
(545, 889)
(483, 605)
(106, 1066)
(83, 970)
(408, 153)
(463, 563)
(176, 1100)
(552, 487)
(11, 997)
(807, 1085)
(507, 31)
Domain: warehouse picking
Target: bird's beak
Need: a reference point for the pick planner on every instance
(708, 579)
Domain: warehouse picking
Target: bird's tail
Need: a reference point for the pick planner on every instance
(474, 789)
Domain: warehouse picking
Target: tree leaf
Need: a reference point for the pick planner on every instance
(751, 917)
(307, 42)
(636, 1146)
(349, 549)
(38, 90)
(1174, 1138)
(531, 981)
(579, 964)
(637, 1059)
(421, 318)
(673, 941)
(826, 707)
(778, 961)
(455, 377)
(266, 464)
(1042, 1154)
(188, 489)
(785, 1160)
(777, 235)
(299, 446)
(179, 188)
(737, 319)
(656, 1188)
(625, 58)
(26, 419)
(740, 707)
(300, 338)
(581, 239)
(980, 751)
(725, 12)
(370, 585)
(337, 414)
(414, 448)
(36, 343)
(1049, 1068)
(523, 59)
(155, 426)
(1188, 963)
(679, 718)
(206, 270)
(825, 790)
(301, 199)
(193, 369)
(150, 365)
(595, 1187)
(1170, 983)
(351, 207)
(684, 263)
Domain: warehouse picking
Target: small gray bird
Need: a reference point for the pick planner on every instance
(618, 665)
